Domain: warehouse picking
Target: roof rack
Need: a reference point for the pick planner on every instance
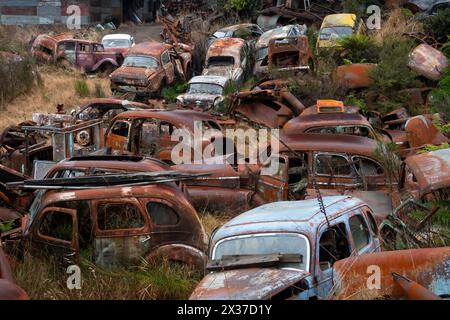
(109, 180)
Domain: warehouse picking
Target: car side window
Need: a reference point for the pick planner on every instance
(165, 129)
(84, 47)
(331, 164)
(120, 128)
(165, 57)
(360, 231)
(114, 216)
(372, 222)
(162, 214)
(367, 167)
(333, 246)
(66, 46)
(57, 225)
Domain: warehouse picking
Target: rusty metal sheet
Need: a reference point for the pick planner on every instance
(428, 61)
(328, 143)
(8, 289)
(246, 284)
(421, 131)
(428, 267)
(354, 76)
(431, 170)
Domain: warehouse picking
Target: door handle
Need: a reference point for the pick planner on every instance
(147, 238)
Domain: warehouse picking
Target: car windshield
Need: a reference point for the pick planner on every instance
(208, 88)
(335, 32)
(262, 53)
(116, 43)
(140, 62)
(265, 244)
(221, 61)
(220, 34)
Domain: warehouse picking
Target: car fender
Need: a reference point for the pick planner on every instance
(180, 253)
(103, 61)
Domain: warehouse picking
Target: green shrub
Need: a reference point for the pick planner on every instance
(439, 25)
(359, 49)
(392, 72)
(446, 47)
(82, 88)
(17, 78)
(440, 97)
(171, 93)
(243, 5)
(351, 100)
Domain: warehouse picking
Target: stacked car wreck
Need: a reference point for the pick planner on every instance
(131, 179)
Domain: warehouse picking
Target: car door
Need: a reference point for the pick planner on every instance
(272, 184)
(371, 174)
(55, 232)
(85, 58)
(168, 67)
(118, 136)
(362, 238)
(122, 232)
(165, 130)
(67, 50)
(334, 171)
(333, 243)
(148, 144)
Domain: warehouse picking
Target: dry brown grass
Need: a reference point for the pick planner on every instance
(58, 86)
(212, 220)
(396, 24)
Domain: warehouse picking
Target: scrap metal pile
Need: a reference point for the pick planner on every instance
(103, 176)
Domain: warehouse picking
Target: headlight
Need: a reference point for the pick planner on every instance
(83, 138)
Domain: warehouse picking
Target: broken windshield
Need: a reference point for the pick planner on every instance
(335, 32)
(208, 88)
(140, 62)
(266, 244)
(221, 61)
(116, 43)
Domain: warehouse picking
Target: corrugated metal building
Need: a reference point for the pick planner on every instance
(92, 11)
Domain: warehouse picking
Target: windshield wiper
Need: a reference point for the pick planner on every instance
(254, 260)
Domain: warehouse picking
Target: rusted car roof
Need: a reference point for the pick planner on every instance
(303, 122)
(432, 170)
(150, 48)
(124, 163)
(219, 80)
(280, 32)
(225, 47)
(116, 101)
(237, 27)
(264, 284)
(328, 143)
(180, 118)
(427, 266)
(286, 216)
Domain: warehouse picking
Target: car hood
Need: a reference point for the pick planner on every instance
(246, 284)
(132, 73)
(201, 97)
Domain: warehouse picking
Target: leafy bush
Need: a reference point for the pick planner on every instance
(446, 47)
(432, 147)
(392, 72)
(440, 97)
(243, 5)
(82, 88)
(171, 93)
(359, 48)
(439, 25)
(17, 78)
(351, 100)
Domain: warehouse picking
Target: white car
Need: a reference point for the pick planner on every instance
(120, 43)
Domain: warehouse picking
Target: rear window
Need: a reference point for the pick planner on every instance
(220, 61)
(162, 214)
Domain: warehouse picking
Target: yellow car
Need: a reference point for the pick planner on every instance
(336, 26)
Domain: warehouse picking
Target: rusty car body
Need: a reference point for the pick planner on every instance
(337, 26)
(330, 116)
(149, 133)
(230, 58)
(290, 54)
(150, 66)
(116, 221)
(8, 289)
(427, 267)
(205, 92)
(426, 176)
(249, 32)
(68, 52)
(260, 68)
(286, 250)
